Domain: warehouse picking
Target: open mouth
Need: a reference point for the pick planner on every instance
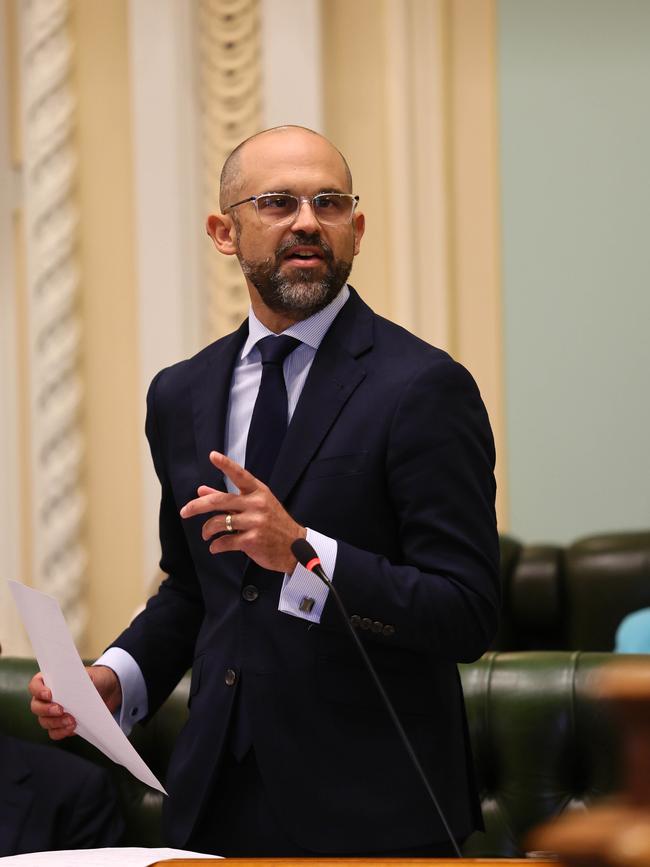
(304, 256)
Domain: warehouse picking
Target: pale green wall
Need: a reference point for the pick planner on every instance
(574, 90)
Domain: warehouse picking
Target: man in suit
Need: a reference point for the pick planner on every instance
(387, 469)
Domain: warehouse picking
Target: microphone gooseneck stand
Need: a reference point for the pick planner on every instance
(306, 555)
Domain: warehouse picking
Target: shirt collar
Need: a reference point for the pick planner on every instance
(310, 331)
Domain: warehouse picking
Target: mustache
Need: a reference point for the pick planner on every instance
(301, 240)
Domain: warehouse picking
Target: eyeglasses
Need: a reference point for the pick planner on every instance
(277, 209)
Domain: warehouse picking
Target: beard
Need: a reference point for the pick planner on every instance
(299, 293)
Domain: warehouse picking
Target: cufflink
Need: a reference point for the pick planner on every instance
(306, 604)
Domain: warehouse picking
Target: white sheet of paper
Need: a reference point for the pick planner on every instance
(65, 675)
(125, 857)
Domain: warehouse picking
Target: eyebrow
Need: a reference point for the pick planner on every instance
(287, 192)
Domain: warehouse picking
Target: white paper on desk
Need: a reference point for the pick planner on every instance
(124, 857)
(65, 675)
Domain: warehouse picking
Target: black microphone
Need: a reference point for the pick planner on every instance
(306, 555)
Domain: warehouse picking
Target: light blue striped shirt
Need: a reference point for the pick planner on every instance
(246, 379)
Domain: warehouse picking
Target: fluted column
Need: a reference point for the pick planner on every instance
(54, 324)
(231, 110)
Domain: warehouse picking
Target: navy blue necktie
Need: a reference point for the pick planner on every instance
(269, 420)
(267, 430)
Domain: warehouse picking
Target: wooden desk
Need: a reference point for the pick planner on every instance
(361, 862)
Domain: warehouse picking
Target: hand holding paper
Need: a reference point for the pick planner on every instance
(55, 719)
(71, 687)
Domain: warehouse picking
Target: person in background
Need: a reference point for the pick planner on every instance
(51, 799)
(316, 419)
(633, 633)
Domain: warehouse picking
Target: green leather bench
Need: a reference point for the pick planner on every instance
(572, 597)
(541, 745)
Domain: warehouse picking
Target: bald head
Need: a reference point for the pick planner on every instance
(234, 172)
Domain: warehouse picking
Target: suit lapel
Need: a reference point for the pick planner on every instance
(334, 376)
(16, 796)
(210, 395)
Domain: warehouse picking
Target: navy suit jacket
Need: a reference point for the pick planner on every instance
(389, 452)
(50, 799)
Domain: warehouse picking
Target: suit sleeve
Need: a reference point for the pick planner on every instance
(162, 638)
(441, 593)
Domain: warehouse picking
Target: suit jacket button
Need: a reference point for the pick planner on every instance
(377, 626)
(250, 593)
(355, 620)
(231, 677)
(366, 623)
(388, 630)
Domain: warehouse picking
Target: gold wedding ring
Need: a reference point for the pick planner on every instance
(229, 526)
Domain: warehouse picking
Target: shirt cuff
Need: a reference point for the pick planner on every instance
(303, 594)
(135, 702)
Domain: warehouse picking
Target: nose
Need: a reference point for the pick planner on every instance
(305, 219)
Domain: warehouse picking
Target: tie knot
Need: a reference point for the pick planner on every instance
(274, 349)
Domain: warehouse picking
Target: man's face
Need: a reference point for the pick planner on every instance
(299, 267)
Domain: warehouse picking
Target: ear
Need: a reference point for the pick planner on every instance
(359, 222)
(221, 229)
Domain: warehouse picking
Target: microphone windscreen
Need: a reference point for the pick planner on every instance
(303, 552)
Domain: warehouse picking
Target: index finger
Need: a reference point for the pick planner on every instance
(245, 481)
